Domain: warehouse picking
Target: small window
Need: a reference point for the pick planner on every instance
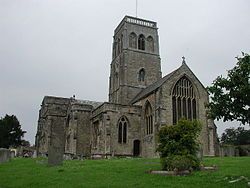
(141, 42)
(141, 76)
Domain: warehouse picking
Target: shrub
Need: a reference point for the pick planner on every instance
(181, 162)
(178, 145)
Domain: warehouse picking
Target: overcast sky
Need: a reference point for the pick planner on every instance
(63, 47)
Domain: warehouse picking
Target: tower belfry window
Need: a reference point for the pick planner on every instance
(141, 42)
(183, 100)
(132, 40)
(150, 45)
(141, 75)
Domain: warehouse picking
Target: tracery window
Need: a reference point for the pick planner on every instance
(184, 100)
(122, 130)
(141, 75)
(148, 118)
(132, 40)
(141, 42)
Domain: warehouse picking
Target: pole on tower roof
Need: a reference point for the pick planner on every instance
(136, 7)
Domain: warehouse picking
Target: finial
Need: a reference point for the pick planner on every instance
(183, 60)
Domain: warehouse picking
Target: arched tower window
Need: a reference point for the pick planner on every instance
(132, 40)
(122, 130)
(150, 45)
(114, 49)
(148, 118)
(121, 42)
(119, 45)
(141, 42)
(183, 100)
(141, 75)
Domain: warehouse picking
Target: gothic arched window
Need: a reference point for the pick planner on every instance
(183, 100)
(141, 75)
(148, 118)
(122, 130)
(132, 40)
(150, 45)
(121, 42)
(141, 42)
(119, 46)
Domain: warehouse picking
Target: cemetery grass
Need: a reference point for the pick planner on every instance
(22, 172)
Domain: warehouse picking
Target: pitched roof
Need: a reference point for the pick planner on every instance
(151, 88)
(95, 104)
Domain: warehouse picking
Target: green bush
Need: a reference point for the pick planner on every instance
(178, 145)
(180, 162)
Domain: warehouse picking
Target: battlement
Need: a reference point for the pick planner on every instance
(137, 21)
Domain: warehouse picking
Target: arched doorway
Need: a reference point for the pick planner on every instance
(136, 151)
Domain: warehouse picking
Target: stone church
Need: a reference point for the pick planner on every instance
(140, 102)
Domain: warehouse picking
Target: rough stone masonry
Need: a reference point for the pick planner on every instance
(140, 102)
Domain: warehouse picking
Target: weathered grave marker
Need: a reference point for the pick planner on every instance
(4, 155)
(57, 141)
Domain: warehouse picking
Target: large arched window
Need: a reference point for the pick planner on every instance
(132, 40)
(141, 42)
(183, 100)
(150, 45)
(141, 75)
(122, 130)
(148, 118)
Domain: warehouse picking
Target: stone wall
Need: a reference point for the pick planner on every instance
(105, 129)
(231, 150)
(51, 124)
(160, 99)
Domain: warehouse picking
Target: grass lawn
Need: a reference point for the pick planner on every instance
(118, 173)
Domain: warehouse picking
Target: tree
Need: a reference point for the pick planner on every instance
(238, 136)
(10, 132)
(230, 96)
(178, 145)
(25, 143)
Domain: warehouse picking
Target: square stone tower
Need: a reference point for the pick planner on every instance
(135, 59)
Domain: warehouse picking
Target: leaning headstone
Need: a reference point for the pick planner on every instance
(57, 141)
(4, 155)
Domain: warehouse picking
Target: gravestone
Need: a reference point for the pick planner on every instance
(199, 153)
(34, 154)
(12, 154)
(57, 141)
(4, 155)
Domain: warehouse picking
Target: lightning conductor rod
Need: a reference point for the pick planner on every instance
(136, 7)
